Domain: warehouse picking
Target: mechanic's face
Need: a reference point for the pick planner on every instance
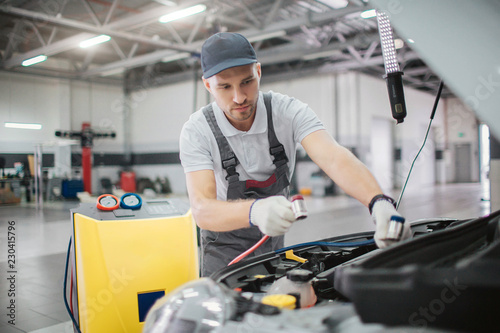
(236, 91)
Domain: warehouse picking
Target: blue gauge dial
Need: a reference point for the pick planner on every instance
(130, 201)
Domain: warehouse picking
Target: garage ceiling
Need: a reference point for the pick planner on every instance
(291, 37)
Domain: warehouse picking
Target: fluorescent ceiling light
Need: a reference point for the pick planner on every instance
(182, 13)
(34, 60)
(176, 56)
(368, 14)
(94, 41)
(23, 125)
(399, 43)
(410, 40)
(274, 34)
(322, 54)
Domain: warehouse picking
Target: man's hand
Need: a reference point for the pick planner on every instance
(382, 212)
(273, 215)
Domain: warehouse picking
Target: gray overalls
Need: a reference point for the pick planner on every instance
(219, 248)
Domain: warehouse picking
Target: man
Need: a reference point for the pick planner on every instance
(238, 154)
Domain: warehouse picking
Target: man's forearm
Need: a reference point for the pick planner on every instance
(217, 215)
(354, 178)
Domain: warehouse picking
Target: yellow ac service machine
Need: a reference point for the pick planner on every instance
(126, 254)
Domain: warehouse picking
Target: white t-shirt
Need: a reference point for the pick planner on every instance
(293, 120)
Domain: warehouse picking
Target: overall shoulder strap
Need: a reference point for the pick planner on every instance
(275, 147)
(228, 158)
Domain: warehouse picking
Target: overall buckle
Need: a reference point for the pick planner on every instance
(230, 166)
(278, 153)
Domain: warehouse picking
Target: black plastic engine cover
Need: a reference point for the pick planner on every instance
(449, 278)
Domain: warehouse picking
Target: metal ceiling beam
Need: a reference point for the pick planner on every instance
(195, 29)
(71, 42)
(13, 38)
(374, 61)
(288, 52)
(272, 12)
(137, 61)
(89, 28)
(269, 18)
(285, 76)
(152, 15)
(311, 19)
(292, 52)
(308, 20)
(91, 12)
(239, 23)
(111, 11)
(250, 15)
(49, 50)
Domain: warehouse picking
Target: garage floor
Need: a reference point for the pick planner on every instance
(42, 240)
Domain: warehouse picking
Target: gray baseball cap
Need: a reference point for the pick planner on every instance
(225, 50)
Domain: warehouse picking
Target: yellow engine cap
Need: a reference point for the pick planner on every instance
(282, 301)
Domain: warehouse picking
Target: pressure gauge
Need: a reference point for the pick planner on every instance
(130, 201)
(108, 202)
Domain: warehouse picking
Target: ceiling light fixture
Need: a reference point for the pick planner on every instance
(23, 125)
(94, 41)
(274, 34)
(410, 40)
(369, 14)
(182, 13)
(34, 60)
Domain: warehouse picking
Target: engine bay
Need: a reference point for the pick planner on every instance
(444, 279)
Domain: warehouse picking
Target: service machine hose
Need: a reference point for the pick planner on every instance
(299, 210)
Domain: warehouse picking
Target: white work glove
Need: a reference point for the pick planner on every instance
(273, 215)
(382, 211)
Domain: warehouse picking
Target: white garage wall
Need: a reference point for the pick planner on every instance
(345, 102)
(409, 135)
(29, 99)
(359, 99)
(102, 106)
(318, 92)
(157, 116)
(58, 105)
(349, 131)
(462, 129)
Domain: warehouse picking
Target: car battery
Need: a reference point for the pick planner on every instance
(125, 255)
